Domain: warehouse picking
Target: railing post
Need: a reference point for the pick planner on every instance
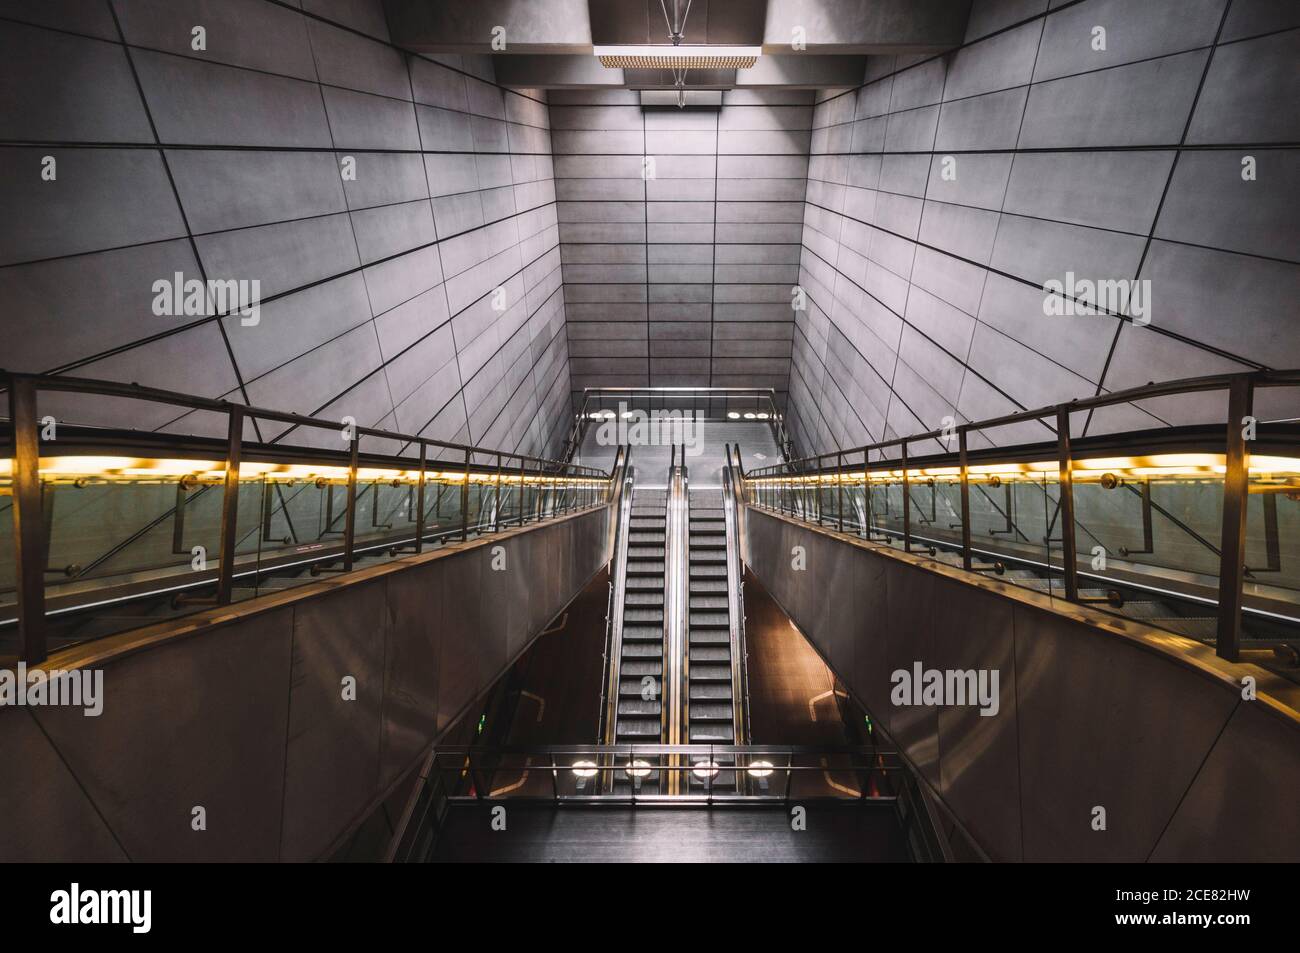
(464, 501)
(907, 503)
(1065, 484)
(419, 501)
(28, 522)
(839, 488)
(1236, 490)
(496, 500)
(523, 463)
(230, 506)
(965, 499)
(350, 521)
(866, 493)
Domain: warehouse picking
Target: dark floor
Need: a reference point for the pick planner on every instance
(542, 833)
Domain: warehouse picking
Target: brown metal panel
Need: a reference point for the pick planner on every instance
(494, 611)
(909, 638)
(196, 722)
(411, 659)
(870, 679)
(980, 768)
(332, 756)
(1104, 723)
(840, 614)
(458, 670)
(61, 824)
(1242, 805)
(524, 593)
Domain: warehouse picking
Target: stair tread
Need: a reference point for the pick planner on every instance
(711, 711)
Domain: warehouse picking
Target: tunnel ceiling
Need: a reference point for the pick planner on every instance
(549, 45)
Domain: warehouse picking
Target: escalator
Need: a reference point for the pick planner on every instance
(710, 695)
(639, 715)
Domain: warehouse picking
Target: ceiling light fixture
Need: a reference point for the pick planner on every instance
(678, 57)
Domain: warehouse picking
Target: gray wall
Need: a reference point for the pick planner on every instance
(684, 279)
(240, 710)
(926, 294)
(1093, 710)
(225, 163)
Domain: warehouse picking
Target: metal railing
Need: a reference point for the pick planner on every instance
(647, 773)
(539, 487)
(801, 487)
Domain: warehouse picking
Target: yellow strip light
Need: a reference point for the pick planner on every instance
(144, 469)
(1174, 466)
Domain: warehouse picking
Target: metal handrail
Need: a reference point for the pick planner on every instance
(731, 503)
(608, 716)
(1232, 569)
(674, 689)
(28, 506)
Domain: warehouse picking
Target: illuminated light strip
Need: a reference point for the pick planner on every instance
(133, 469)
(678, 57)
(1191, 465)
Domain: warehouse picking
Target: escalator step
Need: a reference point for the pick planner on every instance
(708, 653)
(708, 691)
(709, 619)
(699, 601)
(643, 614)
(708, 571)
(645, 552)
(644, 597)
(710, 636)
(633, 687)
(638, 706)
(712, 732)
(711, 711)
(636, 668)
(639, 728)
(645, 567)
(642, 650)
(705, 671)
(643, 633)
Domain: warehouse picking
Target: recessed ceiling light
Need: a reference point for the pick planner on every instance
(760, 769)
(733, 415)
(584, 769)
(705, 770)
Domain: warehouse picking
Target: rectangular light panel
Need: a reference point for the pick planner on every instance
(678, 57)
